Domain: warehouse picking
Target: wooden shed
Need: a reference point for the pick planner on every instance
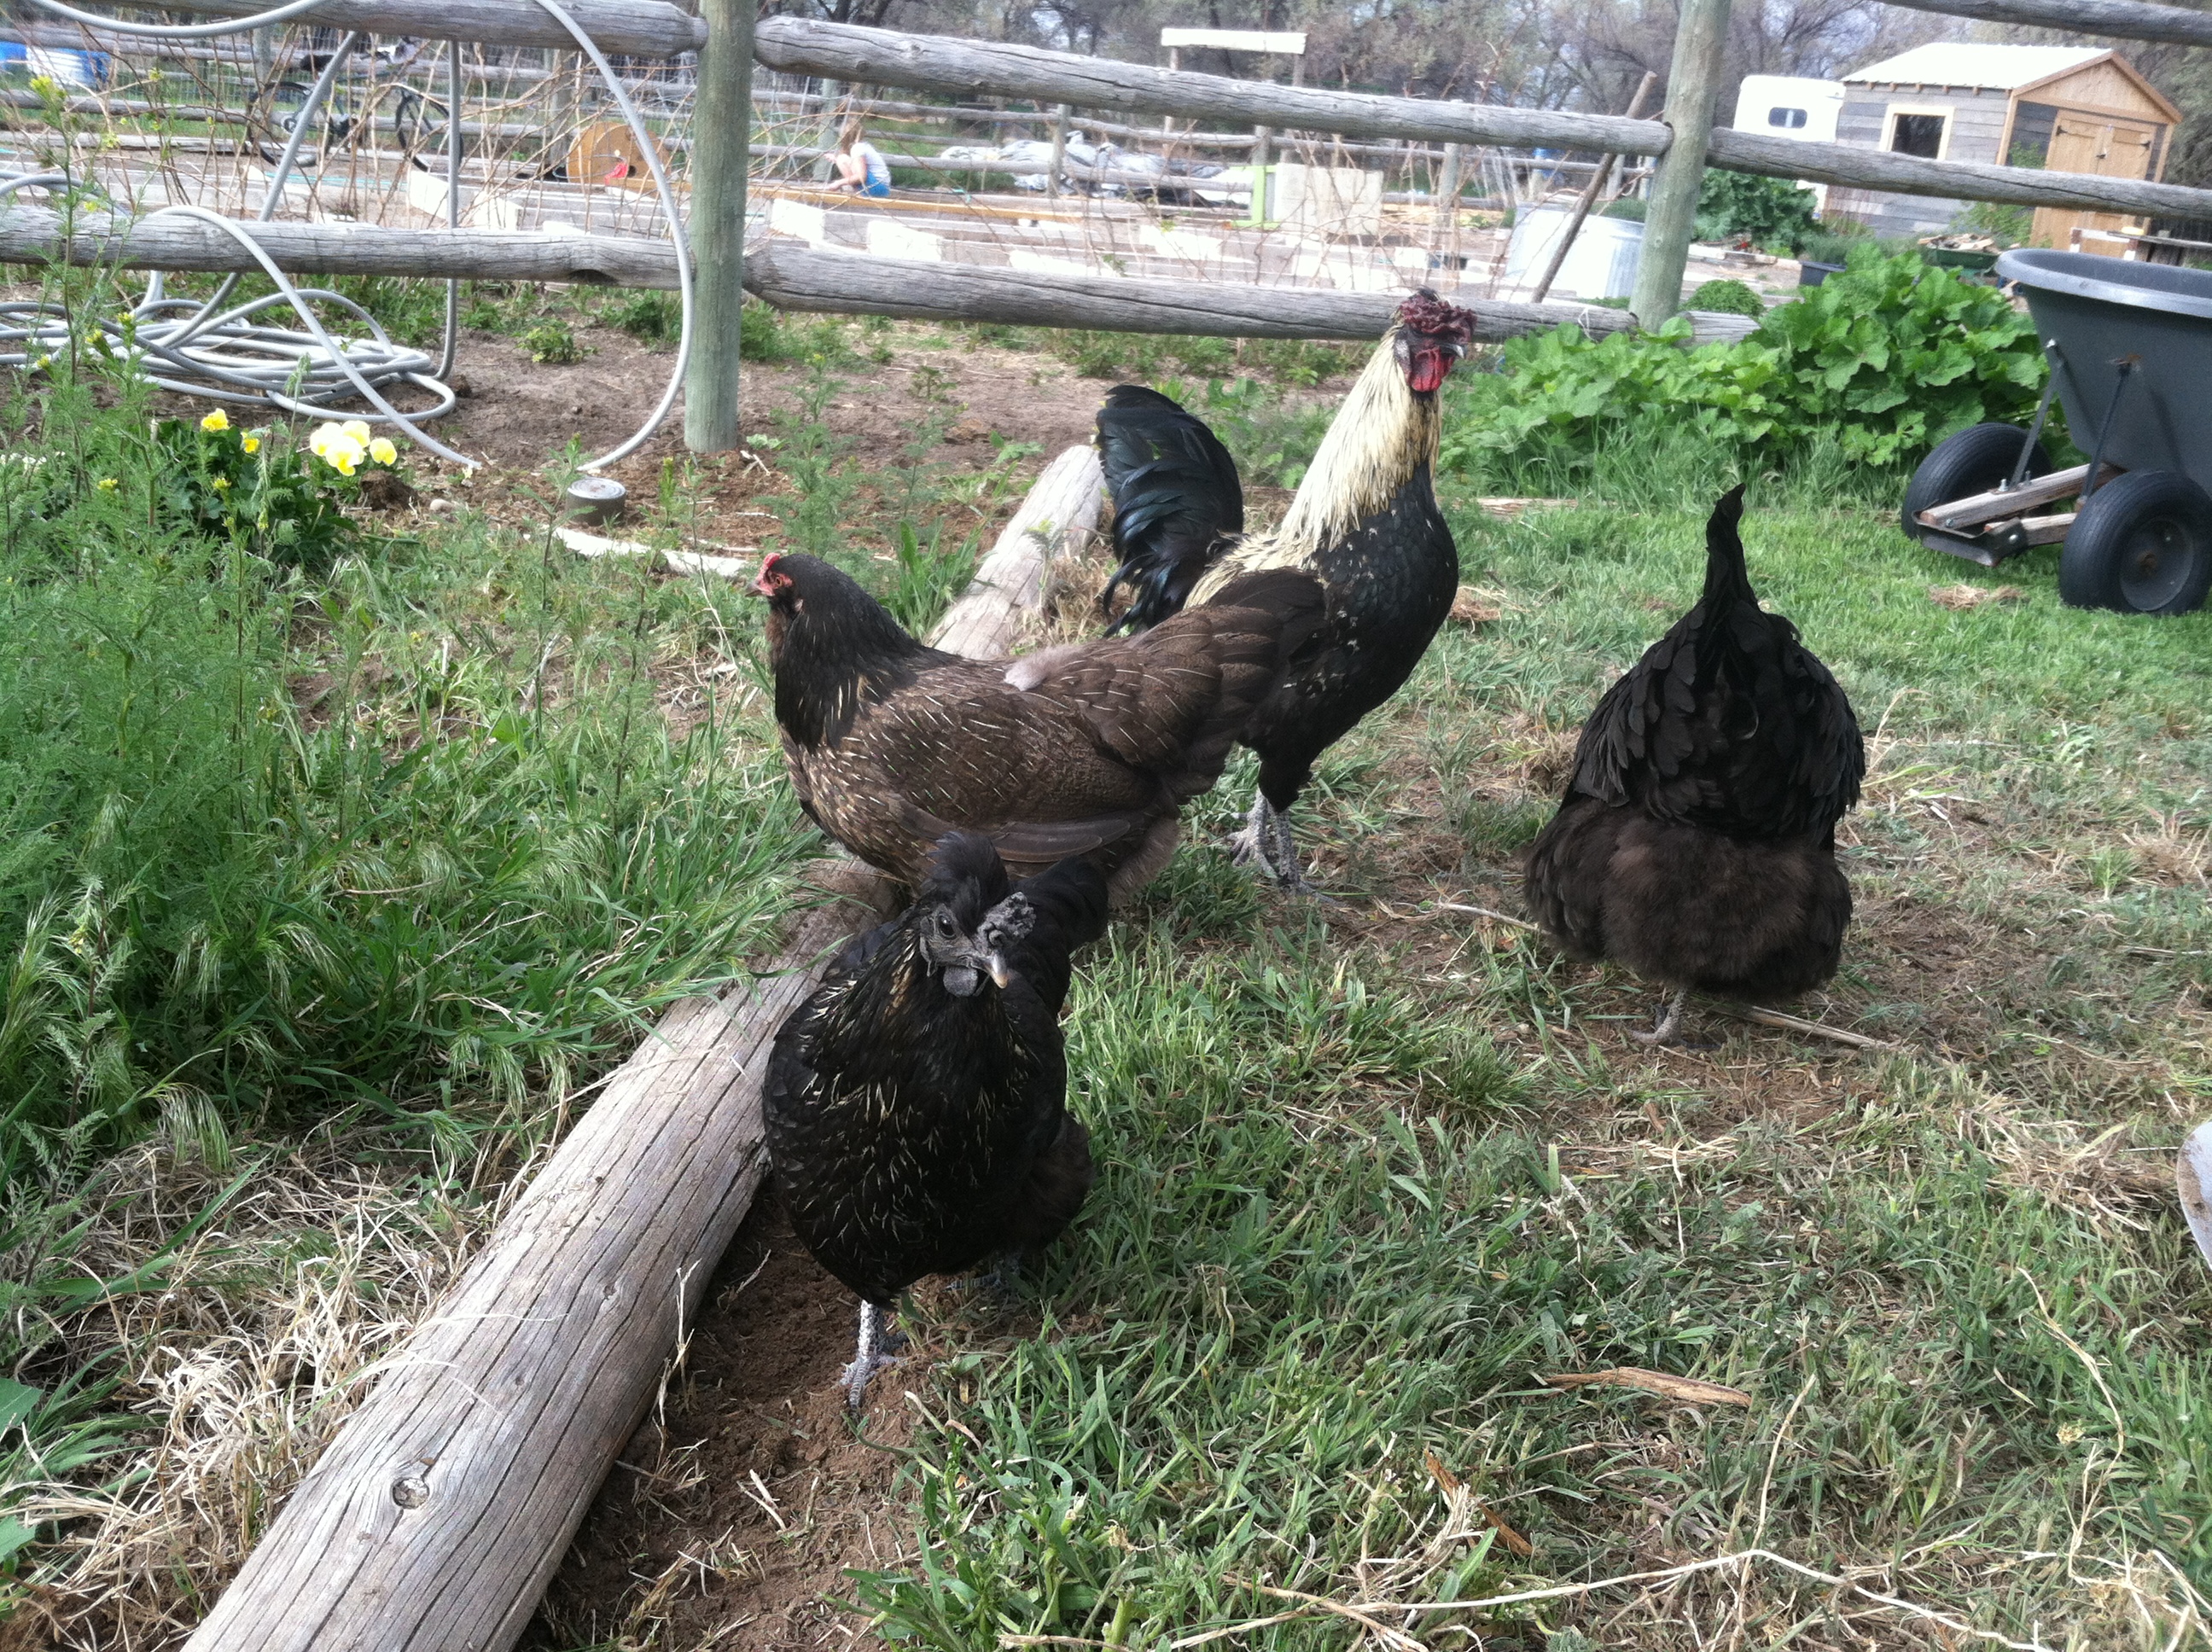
(2070, 109)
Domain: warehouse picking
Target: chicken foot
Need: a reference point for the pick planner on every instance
(873, 1354)
(1669, 1021)
(1267, 840)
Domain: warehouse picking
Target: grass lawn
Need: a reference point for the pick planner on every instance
(337, 886)
(1371, 1176)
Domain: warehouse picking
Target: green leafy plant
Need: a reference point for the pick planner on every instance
(1727, 297)
(1630, 206)
(1768, 212)
(553, 343)
(652, 318)
(1887, 357)
(254, 489)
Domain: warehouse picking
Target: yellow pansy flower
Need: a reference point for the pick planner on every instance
(343, 458)
(250, 444)
(217, 419)
(356, 428)
(383, 452)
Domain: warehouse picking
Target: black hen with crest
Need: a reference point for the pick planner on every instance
(915, 1104)
(1696, 843)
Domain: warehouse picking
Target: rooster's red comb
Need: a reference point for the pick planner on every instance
(1424, 312)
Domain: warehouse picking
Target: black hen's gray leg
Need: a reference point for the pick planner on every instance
(869, 1357)
(1669, 1021)
(1256, 841)
(1283, 863)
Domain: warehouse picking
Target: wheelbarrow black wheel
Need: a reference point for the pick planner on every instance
(1975, 461)
(2142, 544)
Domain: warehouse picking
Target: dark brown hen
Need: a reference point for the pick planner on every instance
(915, 1104)
(1696, 842)
(1088, 750)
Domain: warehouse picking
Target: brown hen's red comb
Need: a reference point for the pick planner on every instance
(1424, 312)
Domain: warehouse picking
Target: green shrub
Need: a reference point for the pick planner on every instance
(1887, 357)
(551, 341)
(1769, 212)
(652, 318)
(1727, 298)
(1631, 207)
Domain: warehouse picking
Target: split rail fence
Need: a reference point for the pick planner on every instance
(443, 1506)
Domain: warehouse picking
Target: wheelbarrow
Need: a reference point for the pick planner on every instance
(2131, 353)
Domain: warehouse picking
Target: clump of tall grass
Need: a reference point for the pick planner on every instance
(404, 844)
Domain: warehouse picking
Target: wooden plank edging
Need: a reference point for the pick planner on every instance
(436, 1518)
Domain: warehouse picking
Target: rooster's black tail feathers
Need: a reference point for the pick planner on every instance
(1176, 501)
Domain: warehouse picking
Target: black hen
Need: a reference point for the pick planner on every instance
(1176, 501)
(1697, 840)
(915, 1103)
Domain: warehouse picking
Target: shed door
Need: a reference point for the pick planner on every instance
(2108, 148)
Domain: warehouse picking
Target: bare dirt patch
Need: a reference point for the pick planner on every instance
(736, 1508)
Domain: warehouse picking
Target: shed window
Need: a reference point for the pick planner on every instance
(1791, 119)
(1920, 135)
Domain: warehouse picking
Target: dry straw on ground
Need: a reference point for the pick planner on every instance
(270, 1325)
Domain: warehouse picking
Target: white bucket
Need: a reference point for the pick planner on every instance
(1602, 264)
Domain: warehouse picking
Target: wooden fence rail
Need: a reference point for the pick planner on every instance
(786, 274)
(2126, 20)
(641, 28)
(883, 56)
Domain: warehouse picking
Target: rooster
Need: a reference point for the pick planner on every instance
(1697, 839)
(1365, 522)
(1177, 501)
(915, 1104)
(1088, 750)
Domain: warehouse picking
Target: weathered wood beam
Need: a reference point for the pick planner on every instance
(434, 1521)
(721, 126)
(1693, 79)
(1965, 180)
(795, 277)
(32, 234)
(936, 63)
(641, 28)
(2127, 20)
(887, 57)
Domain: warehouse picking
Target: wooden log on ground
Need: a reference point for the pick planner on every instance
(938, 63)
(434, 1521)
(638, 28)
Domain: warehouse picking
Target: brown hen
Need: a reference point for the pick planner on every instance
(1088, 750)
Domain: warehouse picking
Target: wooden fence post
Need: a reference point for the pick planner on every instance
(1605, 167)
(1693, 84)
(721, 132)
(1060, 113)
